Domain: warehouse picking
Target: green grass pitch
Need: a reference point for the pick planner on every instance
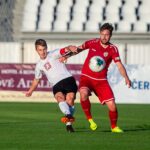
(37, 126)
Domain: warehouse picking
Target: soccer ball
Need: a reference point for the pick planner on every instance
(96, 64)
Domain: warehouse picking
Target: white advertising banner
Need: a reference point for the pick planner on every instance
(140, 90)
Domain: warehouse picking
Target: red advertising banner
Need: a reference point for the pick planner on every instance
(18, 77)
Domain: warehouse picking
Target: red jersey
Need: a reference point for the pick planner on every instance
(107, 54)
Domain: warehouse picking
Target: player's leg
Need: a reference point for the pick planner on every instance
(107, 97)
(70, 97)
(113, 116)
(70, 90)
(60, 97)
(67, 119)
(86, 107)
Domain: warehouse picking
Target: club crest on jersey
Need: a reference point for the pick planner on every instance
(105, 54)
(47, 66)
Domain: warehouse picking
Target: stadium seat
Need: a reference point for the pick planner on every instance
(46, 15)
(66, 3)
(140, 26)
(64, 6)
(95, 17)
(128, 13)
(112, 14)
(144, 13)
(131, 3)
(60, 25)
(124, 26)
(45, 25)
(29, 21)
(30, 15)
(75, 26)
(114, 3)
(99, 3)
(79, 17)
(91, 26)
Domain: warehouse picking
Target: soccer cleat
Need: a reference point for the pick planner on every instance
(93, 125)
(67, 118)
(117, 130)
(69, 128)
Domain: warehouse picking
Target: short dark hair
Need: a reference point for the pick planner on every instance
(107, 26)
(40, 42)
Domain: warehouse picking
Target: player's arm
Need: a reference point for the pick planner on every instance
(68, 52)
(32, 87)
(72, 50)
(123, 72)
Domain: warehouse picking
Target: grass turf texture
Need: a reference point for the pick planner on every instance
(37, 126)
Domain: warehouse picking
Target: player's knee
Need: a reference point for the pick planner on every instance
(59, 97)
(70, 96)
(83, 96)
(112, 106)
(70, 99)
(84, 93)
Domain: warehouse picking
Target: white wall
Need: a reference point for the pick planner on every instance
(11, 52)
(138, 54)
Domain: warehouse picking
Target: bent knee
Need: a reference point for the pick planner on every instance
(84, 94)
(70, 97)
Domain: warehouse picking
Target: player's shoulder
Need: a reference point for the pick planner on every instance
(50, 52)
(113, 47)
(38, 64)
(93, 41)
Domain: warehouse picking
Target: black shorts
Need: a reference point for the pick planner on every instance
(65, 86)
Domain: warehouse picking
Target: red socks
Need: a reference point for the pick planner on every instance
(113, 116)
(86, 106)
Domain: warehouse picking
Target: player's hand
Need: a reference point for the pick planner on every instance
(63, 59)
(28, 93)
(73, 49)
(128, 83)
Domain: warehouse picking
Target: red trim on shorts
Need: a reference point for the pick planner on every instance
(104, 101)
(84, 87)
(93, 78)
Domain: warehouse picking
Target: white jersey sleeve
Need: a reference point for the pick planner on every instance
(55, 53)
(38, 72)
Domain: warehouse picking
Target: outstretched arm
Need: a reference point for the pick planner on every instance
(72, 50)
(123, 72)
(32, 88)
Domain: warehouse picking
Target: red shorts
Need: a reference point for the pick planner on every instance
(101, 88)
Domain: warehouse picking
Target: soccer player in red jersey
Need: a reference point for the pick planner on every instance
(96, 82)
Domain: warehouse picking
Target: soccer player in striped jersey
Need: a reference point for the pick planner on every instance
(64, 84)
(96, 82)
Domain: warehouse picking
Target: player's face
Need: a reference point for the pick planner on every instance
(105, 36)
(42, 51)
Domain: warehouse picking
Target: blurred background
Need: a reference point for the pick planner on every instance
(66, 22)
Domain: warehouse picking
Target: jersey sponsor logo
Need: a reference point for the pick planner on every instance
(47, 65)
